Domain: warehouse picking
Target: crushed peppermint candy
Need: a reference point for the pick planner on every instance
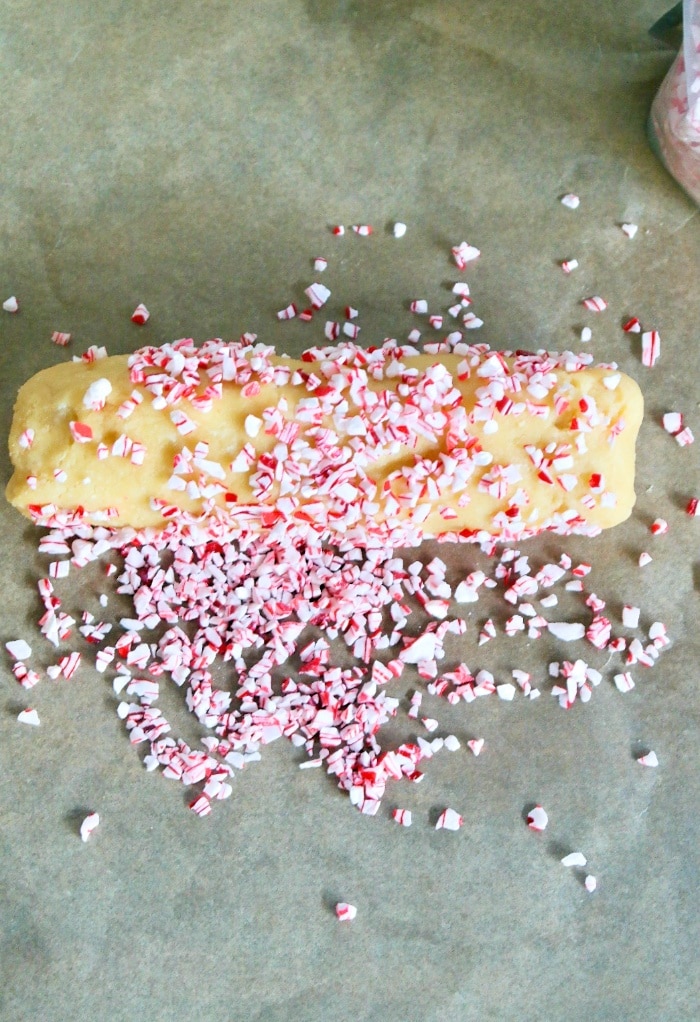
(649, 759)
(570, 200)
(29, 716)
(399, 229)
(574, 859)
(89, 826)
(537, 819)
(140, 315)
(449, 819)
(345, 912)
(11, 304)
(595, 303)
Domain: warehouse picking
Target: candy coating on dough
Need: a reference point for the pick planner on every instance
(471, 442)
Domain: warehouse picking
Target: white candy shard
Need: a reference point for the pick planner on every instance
(29, 717)
(586, 334)
(97, 393)
(89, 824)
(629, 229)
(673, 422)
(570, 200)
(452, 743)
(399, 230)
(630, 616)
(590, 883)
(506, 691)
(649, 759)
(18, 649)
(537, 819)
(252, 425)
(10, 304)
(567, 631)
(574, 859)
(476, 745)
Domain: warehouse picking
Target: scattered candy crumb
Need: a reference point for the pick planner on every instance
(574, 859)
(449, 819)
(537, 819)
(140, 314)
(29, 716)
(649, 759)
(89, 826)
(345, 912)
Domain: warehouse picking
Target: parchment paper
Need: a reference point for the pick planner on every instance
(193, 157)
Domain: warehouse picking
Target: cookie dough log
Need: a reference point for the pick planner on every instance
(473, 442)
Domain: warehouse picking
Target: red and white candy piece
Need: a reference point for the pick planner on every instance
(570, 200)
(338, 230)
(624, 682)
(81, 432)
(419, 305)
(29, 716)
(140, 314)
(26, 439)
(537, 819)
(404, 817)
(464, 253)
(200, 806)
(318, 295)
(289, 312)
(345, 912)
(10, 304)
(569, 265)
(649, 759)
(89, 826)
(632, 326)
(320, 264)
(476, 745)
(60, 338)
(692, 508)
(651, 348)
(595, 304)
(449, 819)
(685, 437)
(364, 230)
(574, 859)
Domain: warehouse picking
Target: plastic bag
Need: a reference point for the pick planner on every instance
(674, 122)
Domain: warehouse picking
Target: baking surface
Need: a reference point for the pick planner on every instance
(193, 158)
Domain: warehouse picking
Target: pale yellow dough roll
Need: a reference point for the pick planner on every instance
(483, 444)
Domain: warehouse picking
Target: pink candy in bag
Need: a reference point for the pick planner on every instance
(674, 121)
